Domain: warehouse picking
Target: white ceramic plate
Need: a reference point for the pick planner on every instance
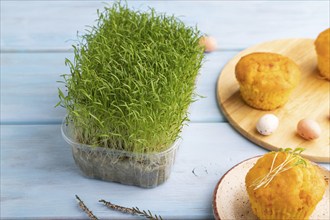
(230, 199)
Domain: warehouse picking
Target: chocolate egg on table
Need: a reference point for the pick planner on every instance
(308, 129)
(267, 124)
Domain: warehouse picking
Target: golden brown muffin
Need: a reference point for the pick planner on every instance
(266, 79)
(322, 46)
(292, 193)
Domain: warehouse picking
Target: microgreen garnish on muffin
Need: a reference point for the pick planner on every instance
(283, 185)
(292, 155)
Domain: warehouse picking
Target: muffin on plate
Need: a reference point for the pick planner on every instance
(283, 185)
(266, 79)
(322, 46)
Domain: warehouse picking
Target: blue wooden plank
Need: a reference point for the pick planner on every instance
(35, 160)
(29, 87)
(39, 177)
(49, 25)
(206, 109)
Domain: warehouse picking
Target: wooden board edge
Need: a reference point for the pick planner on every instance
(233, 124)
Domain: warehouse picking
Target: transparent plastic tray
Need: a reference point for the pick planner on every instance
(144, 170)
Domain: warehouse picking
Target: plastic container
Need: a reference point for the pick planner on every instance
(144, 170)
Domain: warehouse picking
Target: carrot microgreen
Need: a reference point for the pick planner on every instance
(132, 79)
(292, 159)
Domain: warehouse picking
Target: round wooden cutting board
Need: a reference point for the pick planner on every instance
(309, 100)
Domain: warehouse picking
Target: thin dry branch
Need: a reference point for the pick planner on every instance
(85, 209)
(132, 211)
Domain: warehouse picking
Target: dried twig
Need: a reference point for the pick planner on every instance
(85, 209)
(132, 211)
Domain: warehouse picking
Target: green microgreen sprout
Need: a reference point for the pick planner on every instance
(291, 156)
(132, 80)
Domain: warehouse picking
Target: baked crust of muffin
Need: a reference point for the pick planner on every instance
(322, 47)
(266, 79)
(292, 194)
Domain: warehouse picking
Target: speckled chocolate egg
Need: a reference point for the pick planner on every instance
(308, 129)
(267, 124)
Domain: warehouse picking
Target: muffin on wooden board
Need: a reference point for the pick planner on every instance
(322, 46)
(283, 185)
(266, 79)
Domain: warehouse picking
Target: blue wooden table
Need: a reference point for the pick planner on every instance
(38, 176)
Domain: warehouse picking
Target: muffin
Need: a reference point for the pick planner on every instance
(322, 46)
(292, 193)
(266, 79)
